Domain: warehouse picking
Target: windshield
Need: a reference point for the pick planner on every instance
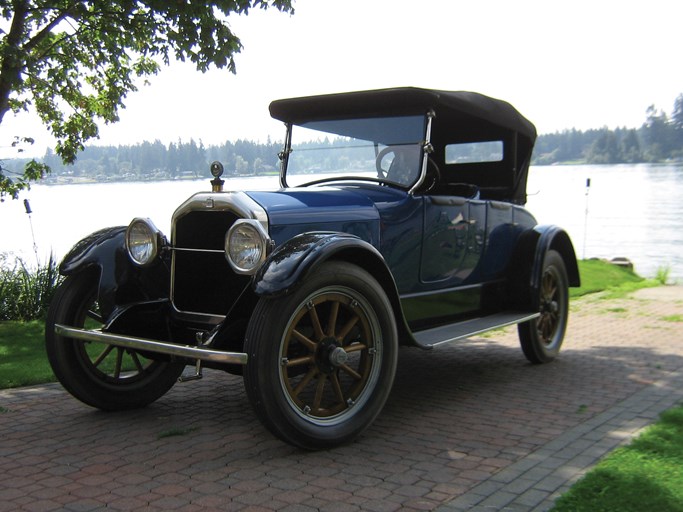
(388, 149)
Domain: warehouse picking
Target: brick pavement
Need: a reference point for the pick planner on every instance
(469, 426)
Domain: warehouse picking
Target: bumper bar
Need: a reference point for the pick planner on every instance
(160, 347)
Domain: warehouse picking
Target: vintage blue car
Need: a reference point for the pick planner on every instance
(399, 221)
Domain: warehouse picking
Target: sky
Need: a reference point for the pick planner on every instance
(563, 64)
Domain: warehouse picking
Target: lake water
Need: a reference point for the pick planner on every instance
(632, 211)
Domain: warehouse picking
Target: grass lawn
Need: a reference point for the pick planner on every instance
(645, 475)
(22, 355)
(599, 276)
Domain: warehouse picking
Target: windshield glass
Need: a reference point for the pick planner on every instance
(387, 149)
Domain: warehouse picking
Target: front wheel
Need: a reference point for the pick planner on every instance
(100, 375)
(322, 359)
(542, 337)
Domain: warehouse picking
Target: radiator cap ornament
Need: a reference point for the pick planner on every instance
(217, 172)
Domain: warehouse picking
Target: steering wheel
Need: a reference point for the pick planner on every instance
(404, 166)
(381, 172)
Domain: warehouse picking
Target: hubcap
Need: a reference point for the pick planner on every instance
(338, 357)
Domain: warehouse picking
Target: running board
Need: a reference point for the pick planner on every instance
(457, 331)
(160, 347)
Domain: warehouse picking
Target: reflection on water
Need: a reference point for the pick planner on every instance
(635, 211)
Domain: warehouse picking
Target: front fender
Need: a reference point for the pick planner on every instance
(121, 283)
(291, 261)
(93, 250)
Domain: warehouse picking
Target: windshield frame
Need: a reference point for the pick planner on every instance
(423, 143)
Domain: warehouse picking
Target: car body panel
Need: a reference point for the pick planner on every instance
(293, 211)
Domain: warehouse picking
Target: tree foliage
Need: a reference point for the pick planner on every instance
(73, 62)
(157, 161)
(660, 138)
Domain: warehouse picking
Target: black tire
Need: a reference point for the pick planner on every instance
(102, 376)
(322, 359)
(542, 338)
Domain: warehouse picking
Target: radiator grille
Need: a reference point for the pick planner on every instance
(202, 279)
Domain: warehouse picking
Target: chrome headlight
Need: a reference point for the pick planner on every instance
(246, 246)
(142, 241)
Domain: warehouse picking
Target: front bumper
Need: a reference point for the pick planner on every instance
(160, 347)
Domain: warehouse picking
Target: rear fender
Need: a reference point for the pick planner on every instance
(121, 283)
(526, 266)
(297, 258)
(555, 238)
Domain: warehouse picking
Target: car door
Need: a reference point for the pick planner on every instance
(454, 238)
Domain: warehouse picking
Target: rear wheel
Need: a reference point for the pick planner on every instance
(100, 375)
(542, 337)
(322, 359)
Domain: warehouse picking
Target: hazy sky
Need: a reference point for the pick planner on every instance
(563, 64)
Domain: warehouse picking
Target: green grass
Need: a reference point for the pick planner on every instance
(645, 475)
(22, 354)
(615, 281)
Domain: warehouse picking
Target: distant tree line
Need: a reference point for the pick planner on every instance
(659, 139)
(155, 160)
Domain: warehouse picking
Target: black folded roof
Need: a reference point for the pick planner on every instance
(453, 105)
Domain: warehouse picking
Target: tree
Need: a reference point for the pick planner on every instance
(630, 147)
(677, 121)
(605, 149)
(677, 115)
(74, 61)
(658, 134)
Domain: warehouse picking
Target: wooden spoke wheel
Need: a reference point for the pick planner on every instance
(322, 360)
(542, 338)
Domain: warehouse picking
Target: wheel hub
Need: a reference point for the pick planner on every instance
(330, 355)
(550, 306)
(338, 356)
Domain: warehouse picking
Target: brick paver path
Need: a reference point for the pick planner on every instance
(467, 426)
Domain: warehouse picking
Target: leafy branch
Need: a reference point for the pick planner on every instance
(74, 63)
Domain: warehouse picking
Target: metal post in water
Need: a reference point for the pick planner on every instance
(585, 218)
(27, 206)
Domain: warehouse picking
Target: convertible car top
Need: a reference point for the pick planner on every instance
(458, 116)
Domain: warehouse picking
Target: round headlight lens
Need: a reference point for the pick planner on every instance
(142, 241)
(245, 246)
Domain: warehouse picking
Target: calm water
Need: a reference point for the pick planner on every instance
(634, 211)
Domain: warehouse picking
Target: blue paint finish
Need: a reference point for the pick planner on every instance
(388, 219)
(295, 211)
(290, 262)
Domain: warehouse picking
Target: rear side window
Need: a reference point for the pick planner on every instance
(474, 152)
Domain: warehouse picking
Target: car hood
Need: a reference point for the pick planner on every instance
(304, 205)
(294, 211)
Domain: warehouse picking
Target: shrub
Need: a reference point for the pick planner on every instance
(25, 292)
